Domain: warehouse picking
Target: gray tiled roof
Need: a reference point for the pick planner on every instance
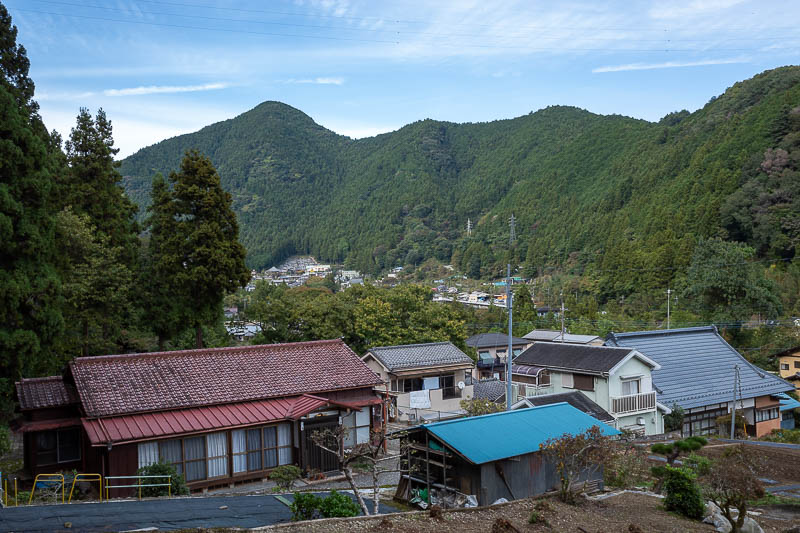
(542, 335)
(576, 399)
(493, 390)
(490, 340)
(697, 366)
(419, 355)
(575, 357)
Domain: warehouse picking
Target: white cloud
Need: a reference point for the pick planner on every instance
(318, 81)
(670, 64)
(673, 10)
(164, 89)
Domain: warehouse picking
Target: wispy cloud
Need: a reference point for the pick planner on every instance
(164, 89)
(670, 64)
(318, 81)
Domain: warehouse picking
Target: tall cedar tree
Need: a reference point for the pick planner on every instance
(93, 183)
(99, 306)
(205, 242)
(30, 318)
(161, 304)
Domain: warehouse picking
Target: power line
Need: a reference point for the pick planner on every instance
(354, 39)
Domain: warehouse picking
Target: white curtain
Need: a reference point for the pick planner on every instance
(217, 448)
(430, 383)
(285, 443)
(239, 447)
(194, 448)
(148, 453)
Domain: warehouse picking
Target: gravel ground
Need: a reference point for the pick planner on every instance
(633, 513)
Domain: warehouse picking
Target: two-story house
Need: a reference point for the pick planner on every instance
(789, 366)
(703, 374)
(492, 349)
(425, 381)
(617, 379)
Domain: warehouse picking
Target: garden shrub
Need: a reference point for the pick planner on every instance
(285, 476)
(682, 493)
(697, 464)
(5, 441)
(179, 487)
(337, 504)
(307, 506)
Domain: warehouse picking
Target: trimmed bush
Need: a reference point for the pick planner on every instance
(179, 487)
(285, 476)
(305, 506)
(337, 504)
(682, 493)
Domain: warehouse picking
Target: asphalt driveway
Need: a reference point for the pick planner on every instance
(164, 514)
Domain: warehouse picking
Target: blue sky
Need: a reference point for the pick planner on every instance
(165, 67)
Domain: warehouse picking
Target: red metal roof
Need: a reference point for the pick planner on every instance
(148, 426)
(125, 384)
(43, 393)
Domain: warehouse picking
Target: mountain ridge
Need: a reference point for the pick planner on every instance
(576, 181)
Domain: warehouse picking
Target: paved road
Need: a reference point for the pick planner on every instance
(165, 514)
(764, 443)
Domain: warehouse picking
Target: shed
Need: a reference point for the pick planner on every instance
(492, 456)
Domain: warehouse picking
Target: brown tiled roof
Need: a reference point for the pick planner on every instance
(123, 384)
(43, 393)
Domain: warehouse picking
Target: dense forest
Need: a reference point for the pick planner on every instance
(621, 202)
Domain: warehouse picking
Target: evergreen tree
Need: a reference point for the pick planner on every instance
(205, 242)
(161, 298)
(93, 182)
(30, 317)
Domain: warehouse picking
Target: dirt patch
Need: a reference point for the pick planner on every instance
(779, 464)
(625, 513)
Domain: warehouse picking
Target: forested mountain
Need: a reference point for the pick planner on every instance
(623, 201)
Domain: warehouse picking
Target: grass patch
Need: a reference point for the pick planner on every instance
(774, 499)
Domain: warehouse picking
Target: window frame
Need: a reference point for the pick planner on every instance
(58, 447)
(785, 366)
(624, 382)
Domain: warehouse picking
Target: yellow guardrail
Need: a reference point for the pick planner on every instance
(86, 477)
(36, 481)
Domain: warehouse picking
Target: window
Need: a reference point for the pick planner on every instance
(583, 382)
(449, 389)
(485, 356)
(762, 415)
(630, 387)
(785, 366)
(194, 450)
(516, 351)
(217, 451)
(357, 425)
(567, 381)
(797, 364)
(412, 384)
(61, 446)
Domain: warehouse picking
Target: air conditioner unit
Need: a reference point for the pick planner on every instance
(640, 420)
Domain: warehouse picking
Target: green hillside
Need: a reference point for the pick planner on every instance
(600, 194)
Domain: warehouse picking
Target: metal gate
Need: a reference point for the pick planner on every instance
(317, 458)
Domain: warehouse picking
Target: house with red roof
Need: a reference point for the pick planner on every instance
(219, 415)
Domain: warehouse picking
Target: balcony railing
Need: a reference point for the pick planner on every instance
(645, 401)
(525, 390)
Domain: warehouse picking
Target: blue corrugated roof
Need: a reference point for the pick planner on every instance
(482, 439)
(787, 402)
(697, 366)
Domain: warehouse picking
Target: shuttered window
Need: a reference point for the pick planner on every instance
(583, 382)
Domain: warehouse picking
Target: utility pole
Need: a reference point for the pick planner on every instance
(509, 308)
(736, 379)
(562, 316)
(669, 291)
